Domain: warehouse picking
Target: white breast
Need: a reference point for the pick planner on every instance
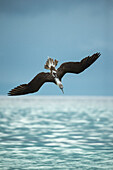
(58, 81)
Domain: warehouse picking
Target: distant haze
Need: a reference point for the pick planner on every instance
(66, 30)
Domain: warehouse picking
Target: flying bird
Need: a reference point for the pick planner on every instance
(55, 75)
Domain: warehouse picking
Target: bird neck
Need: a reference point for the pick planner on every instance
(58, 82)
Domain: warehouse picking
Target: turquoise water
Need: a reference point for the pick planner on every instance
(56, 133)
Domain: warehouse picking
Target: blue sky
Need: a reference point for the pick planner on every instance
(67, 30)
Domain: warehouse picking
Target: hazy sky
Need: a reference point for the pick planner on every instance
(68, 30)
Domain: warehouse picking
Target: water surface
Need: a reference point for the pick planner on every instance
(39, 132)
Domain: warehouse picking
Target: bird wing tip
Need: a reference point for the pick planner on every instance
(99, 54)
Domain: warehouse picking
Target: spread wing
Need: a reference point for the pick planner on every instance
(33, 86)
(76, 67)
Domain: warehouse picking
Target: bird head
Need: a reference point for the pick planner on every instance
(61, 87)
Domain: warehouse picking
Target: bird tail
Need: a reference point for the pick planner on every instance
(50, 63)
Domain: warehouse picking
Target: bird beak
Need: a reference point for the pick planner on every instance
(62, 90)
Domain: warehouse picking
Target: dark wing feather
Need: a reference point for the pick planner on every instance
(76, 67)
(33, 86)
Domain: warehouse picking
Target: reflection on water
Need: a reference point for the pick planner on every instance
(56, 132)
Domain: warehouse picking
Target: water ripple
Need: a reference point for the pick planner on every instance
(56, 133)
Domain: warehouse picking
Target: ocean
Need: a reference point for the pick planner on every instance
(56, 133)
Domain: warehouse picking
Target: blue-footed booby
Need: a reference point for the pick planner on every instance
(55, 75)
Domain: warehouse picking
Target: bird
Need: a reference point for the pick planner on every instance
(55, 75)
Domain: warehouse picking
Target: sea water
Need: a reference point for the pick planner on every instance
(56, 133)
